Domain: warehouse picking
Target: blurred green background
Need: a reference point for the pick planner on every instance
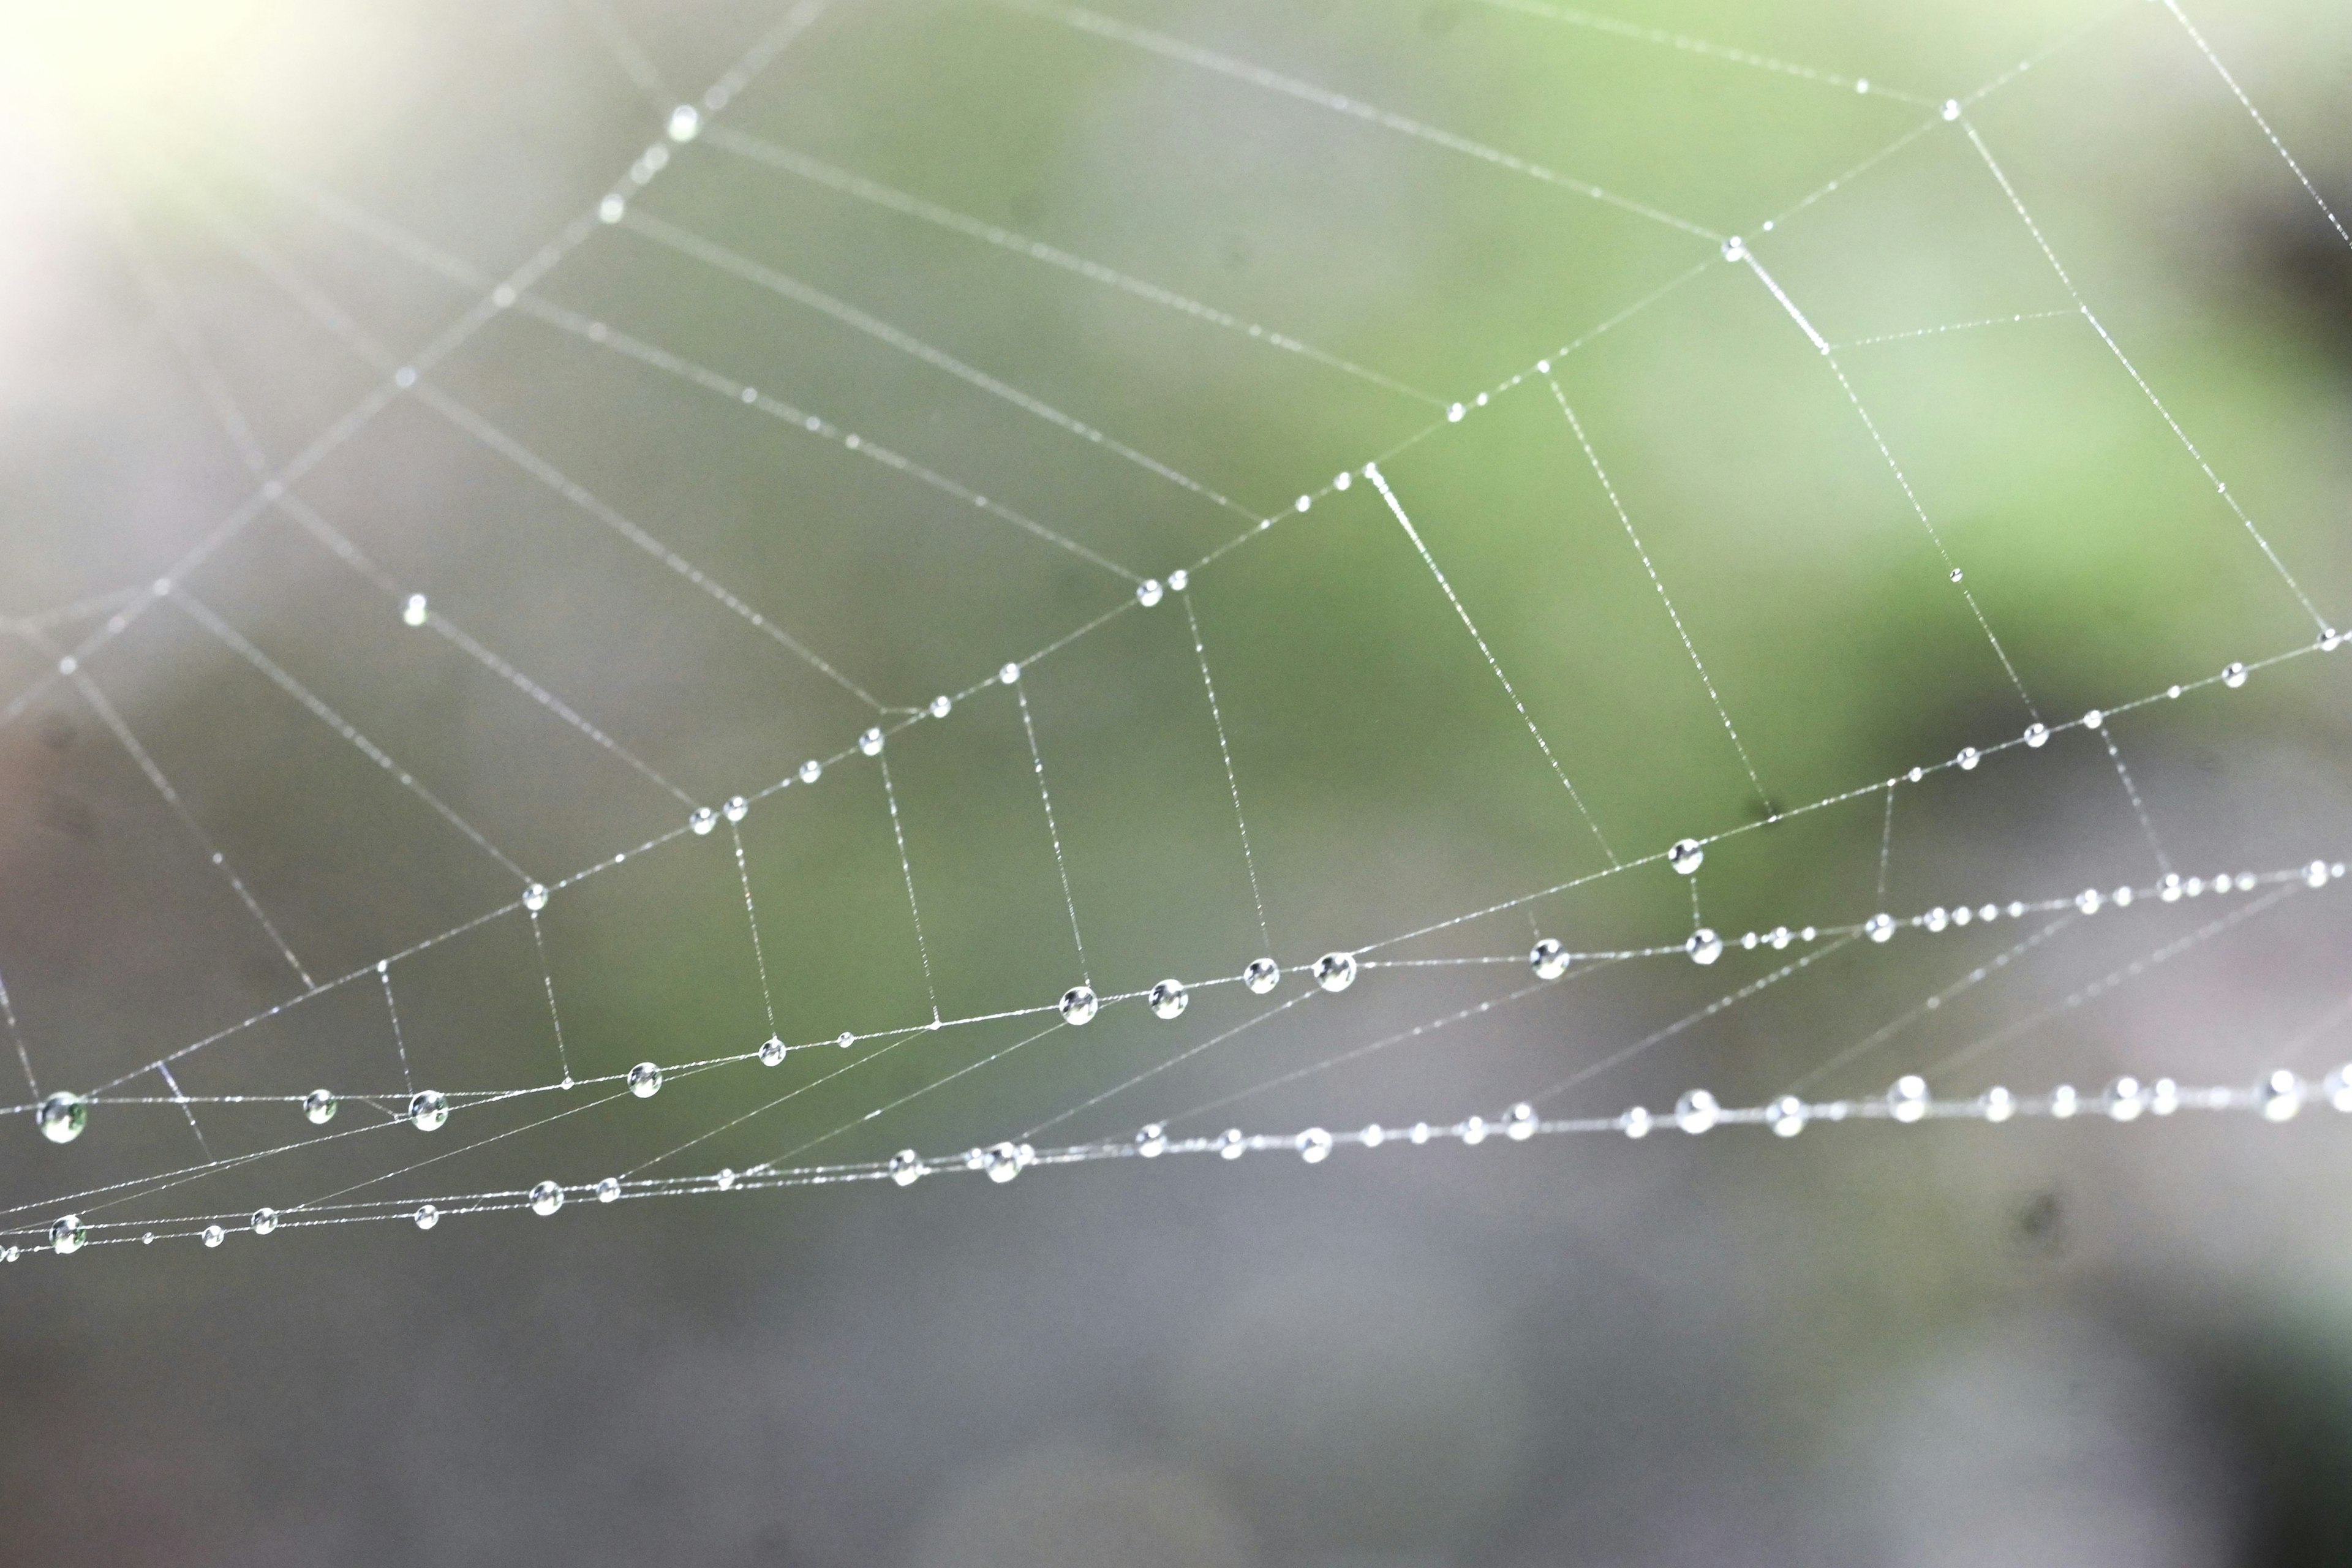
(1951, 1344)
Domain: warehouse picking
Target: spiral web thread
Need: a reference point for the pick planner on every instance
(127, 1212)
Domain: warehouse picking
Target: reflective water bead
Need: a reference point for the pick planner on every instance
(2279, 1096)
(1261, 975)
(2168, 888)
(845, 1039)
(2245, 881)
(1373, 1136)
(1167, 998)
(1952, 109)
(1917, 773)
(1747, 939)
(2315, 874)
(2165, 1098)
(1967, 759)
(684, 121)
(1302, 503)
(2016, 910)
(2088, 901)
(1809, 933)
(1519, 1124)
(1703, 946)
(68, 1234)
(427, 1217)
(1735, 248)
(1550, 959)
(414, 611)
(608, 1190)
(2037, 733)
(2126, 1100)
(1780, 937)
(62, 1117)
(1686, 855)
(736, 808)
(2330, 640)
(1231, 1144)
(1336, 971)
(645, 1081)
(725, 1179)
(1990, 912)
(907, 1167)
(534, 896)
(1635, 1123)
(1148, 592)
(870, 742)
(1879, 927)
(2194, 887)
(265, 1220)
(1786, 1115)
(1080, 1004)
(1418, 1134)
(1179, 580)
(2337, 1088)
(428, 1108)
(1697, 1112)
(942, 706)
(1342, 479)
(1474, 1131)
(2121, 897)
(318, 1106)
(1314, 1145)
(1454, 413)
(702, 820)
(1936, 918)
(2065, 1101)
(812, 771)
(2094, 718)
(1998, 1104)
(1955, 574)
(1010, 674)
(1906, 1101)
(213, 1236)
(546, 1198)
(1963, 914)
(2233, 674)
(1003, 1161)
(1152, 1140)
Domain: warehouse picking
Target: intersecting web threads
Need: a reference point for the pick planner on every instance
(1578, 912)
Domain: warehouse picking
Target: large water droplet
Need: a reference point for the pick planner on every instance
(2315, 874)
(736, 808)
(1336, 971)
(645, 1081)
(2279, 1096)
(427, 1217)
(1788, 1115)
(1703, 946)
(62, 1117)
(2126, 1100)
(1998, 1104)
(1261, 975)
(2168, 888)
(1009, 674)
(427, 1109)
(2088, 901)
(771, 1051)
(1686, 856)
(546, 1198)
(907, 1167)
(2165, 1098)
(1232, 1145)
(2065, 1101)
(812, 771)
(1635, 1123)
(265, 1220)
(319, 1105)
(1519, 1125)
(213, 1236)
(1907, 1100)
(1169, 999)
(1147, 593)
(1003, 1162)
(702, 819)
(2233, 674)
(1936, 918)
(1152, 1140)
(608, 1190)
(534, 896)
(1697, 1112)
(2037, 733)
(1968, 758)
(68, 1234)
(870, 742)
(1879, 927)
(1550, 959)
(1314, 1145)
(1080, 1004)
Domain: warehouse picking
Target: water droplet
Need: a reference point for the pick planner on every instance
(1231, 1144)
(2337, 1087)
(1916, 775)
(213, 1236)
(1152, 1140)
(2279, 1096)
(1697, 1112)
(1261, 975)
(2088, 901)
(414, 610)
(2065, 1101)
(1147, 593)
(610, 209)
(2126, 1100)
(2330, 640)
(427, 1217)
(1748, 940)
(1453, 414)
(1998, 1104)
(1735, 249)
(427, 1109)
(870, 742)
(1336, 971)
(1990, 912)
(319, 1105)
(1879, 927)
(2094, 718)
(546, 1198)
(736, 808)
(1952, 109)
(1169, 999)
(534, 896)
(2121, 897)
(907, 1168)
(684, 121)
(265, 1220)
(1373, 1136)
(1003, 1162)
(2245, 881)
(1786, 1115)
(68, 1234)
(1474, 1131)
(2168, 888)
(1079, 1005)
(1967, 759)
(2194, 887)
(702, 820)
(1636, 1122)
(725, 1179)
(1955, 574)
(608, 1190)
(2233, 674)
(2037, 734)
(771, 1051)
(812, 771)
(1963, 914)
(1686, 856)
(1179, 580)
(1703, 946)
(1314, 1145)
(62, 1117)
(845, 1039)
(2165, 1098)
(1342, 479)
(1936, 918)
(1780, 937)
(1519, 1124)
(645, 1081)
(2315, 874)
(1550, 959)
(1907, 1100)
(1302, 503)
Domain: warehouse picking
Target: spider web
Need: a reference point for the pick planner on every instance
(671, 726)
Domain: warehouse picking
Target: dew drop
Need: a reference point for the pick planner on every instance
(2065, 1101)
(1231, 1144)
(2088, 901)
(1373, 1136)
(1735, 249)
(736, 808)
(2165, 1098)
(907, 1168)
(68, 1234)
(62, 1117)
(1010, 674)
(1152, 1140)
(2315, 874)
(812, 771)
(414, 610)
(645, 1081)
(870, 742)
(1780, 937)
(771, 1051)
(318, 1106)
(610, 209)
(1786, 1115)
(1262, 974)
(1474, 1131)
(1879, 927)
(1998, 1104)
(1302, 503)
(845, 1039)
(2094, 718)
(1635, 1123)
(428, 1108)
(1955, 574)
(1519, 1123)
(1703, 946)
(1169, 998)
(1952, 109)
(546, 1198)
(2279, 1096)
(1179, 580)
(1697, 1112)
(1314, 1145)
(2168, 888)
(2126, 1100)
(1936, 918)
(1336, 971)
(2037, 734)
(1963, 914)
(1453, 414)
(1148, 592)
(1550, 959)
(265, 1220)
(725, 1179)
(2330, 640)
(1967, 759)
(1002, 1162)
(534, 896)
(942, 705)
(2337, 1087)
(2233, 674)
(1919, 774)
(1079, 1005)
(427, 1217)
(684, 121)
(1907, 1100)
(1686, 856)
(702, 820)
(213, 1236)
(1342, 479)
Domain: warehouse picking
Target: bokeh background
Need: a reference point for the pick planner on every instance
(2079, 1344)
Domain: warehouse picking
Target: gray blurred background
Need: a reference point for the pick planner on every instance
(1952, 1344)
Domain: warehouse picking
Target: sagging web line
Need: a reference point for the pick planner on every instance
(1499, 670)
